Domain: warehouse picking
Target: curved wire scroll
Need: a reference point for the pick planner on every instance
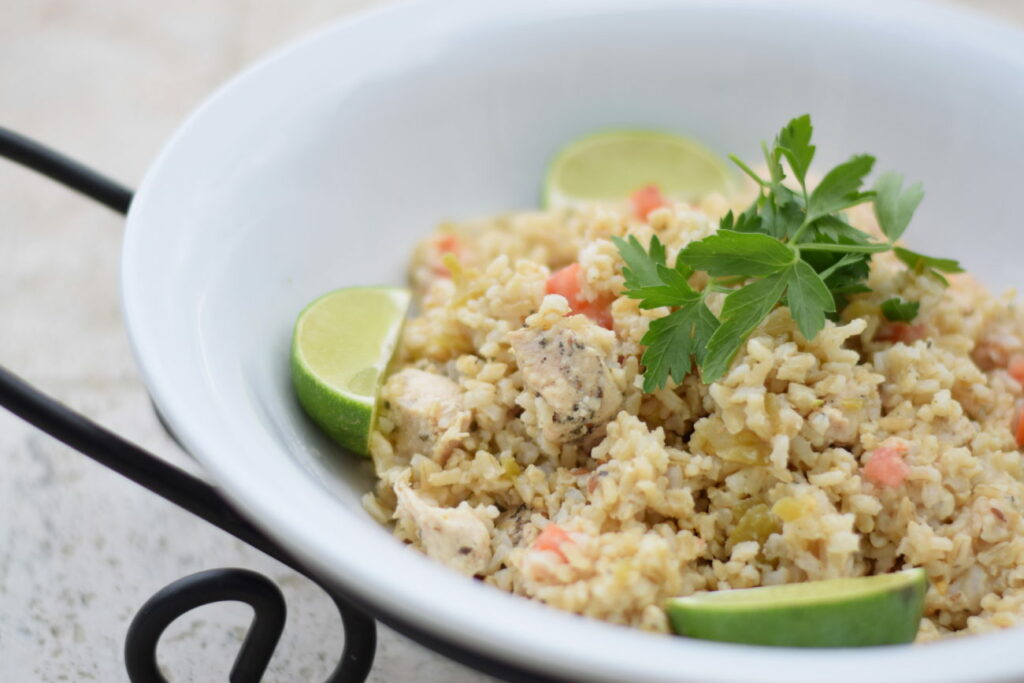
(177, 486)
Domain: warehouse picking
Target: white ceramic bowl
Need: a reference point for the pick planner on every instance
(319, 168)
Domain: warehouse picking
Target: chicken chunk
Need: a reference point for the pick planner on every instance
(428, 413)
(570, 376)
(456, 537)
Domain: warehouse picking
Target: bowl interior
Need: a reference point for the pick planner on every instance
(322, 166)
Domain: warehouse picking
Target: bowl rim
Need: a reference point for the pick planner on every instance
(449, 609)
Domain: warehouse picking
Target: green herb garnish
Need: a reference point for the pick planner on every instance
(792, 247)
(897, 310)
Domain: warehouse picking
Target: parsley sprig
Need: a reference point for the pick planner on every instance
(791, 247)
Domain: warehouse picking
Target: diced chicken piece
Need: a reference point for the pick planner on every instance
(456, 537)
(428, 413)
(570, 376)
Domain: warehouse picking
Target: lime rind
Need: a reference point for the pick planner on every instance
(348, 421)
(347, 413)
(614, 163)
(865, 611)
(829, 591)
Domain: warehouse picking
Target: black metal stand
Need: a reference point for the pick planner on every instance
(179, 487)
(202, 588)
(203, 500)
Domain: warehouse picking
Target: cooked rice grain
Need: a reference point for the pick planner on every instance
(756, 479)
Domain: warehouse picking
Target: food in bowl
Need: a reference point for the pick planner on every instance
(611, 405)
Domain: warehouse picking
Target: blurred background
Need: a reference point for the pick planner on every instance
(107, 81)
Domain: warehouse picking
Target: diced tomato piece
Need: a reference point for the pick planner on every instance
(1019, 428)
(901, 332)
(552, 539)
(443, 244)
(568, 282)
(885, 465)
(996, 349)
(1016, 367)
(598, 310)
(647, 199)
(447, 244)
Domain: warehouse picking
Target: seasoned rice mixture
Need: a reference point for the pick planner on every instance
(516, 445)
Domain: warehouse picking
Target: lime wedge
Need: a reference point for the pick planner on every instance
(340, 349)
(610, 166)
(870, 610)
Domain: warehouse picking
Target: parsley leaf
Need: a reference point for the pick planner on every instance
(773, 159)
(642, 267)
(781, 221)
(728, 252)
(672, 340)
(747, 221)
(787, 248)
(845, 248)
(839, 267)
(928, 264)
(647, 277)
(893, 205)
(746, 169)
(809, 299)
(675, 291)
(835, 228)
(840, 188)
(662, 295)
(795, 144)
(743, 310)
(897, 310)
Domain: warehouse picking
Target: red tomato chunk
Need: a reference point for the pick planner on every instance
(885, 466)
(1018, 428)
(444, 244)
(552, 539)
(568, 282)
(901, 332)
(647, 199)
(1016, 367)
